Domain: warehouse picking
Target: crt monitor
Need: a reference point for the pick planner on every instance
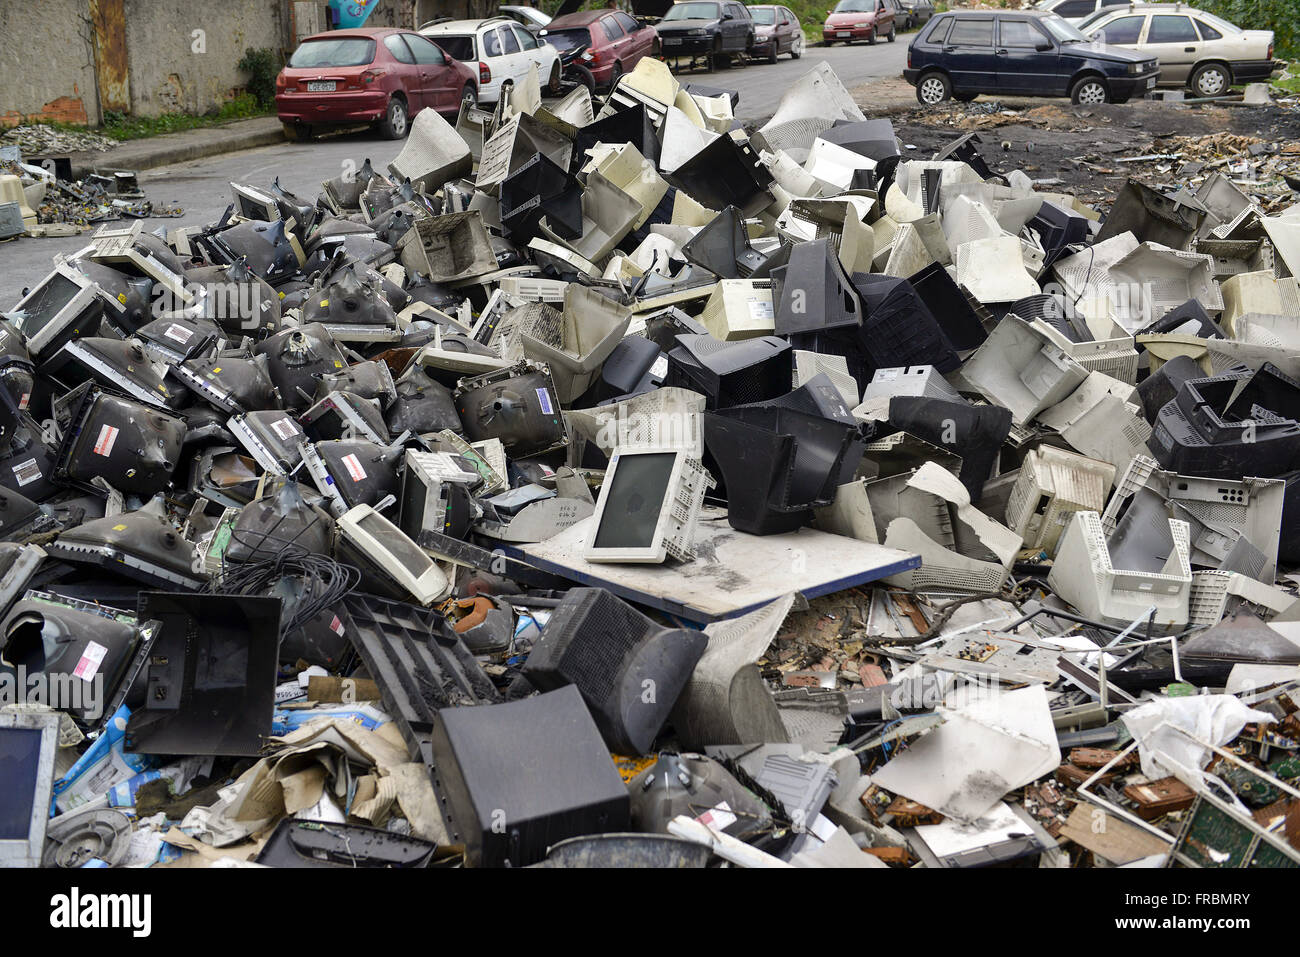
(27, 746)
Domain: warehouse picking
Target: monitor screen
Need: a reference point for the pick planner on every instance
(46, 301)
(250, 208)
(20, 752)
(633, 503)
(404, 551)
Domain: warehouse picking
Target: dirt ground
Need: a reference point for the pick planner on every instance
(1083, 146)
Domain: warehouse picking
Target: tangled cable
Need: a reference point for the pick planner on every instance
(328, 581)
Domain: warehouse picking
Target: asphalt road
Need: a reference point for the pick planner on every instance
(202, 187)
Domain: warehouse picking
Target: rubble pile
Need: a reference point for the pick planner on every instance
(39, 139)
(36, 201)
(600, 485)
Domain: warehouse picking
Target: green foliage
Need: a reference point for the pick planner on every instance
(123, 127)
(1280, 16)
(261, 66)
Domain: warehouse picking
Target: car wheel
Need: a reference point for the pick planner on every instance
(933, 88)
(296, 132)
(469, 96)
(1212, 79)
(1090, 91)
(394, 124)
(796, 46)
(771, 51)
(553, 87)
(871, 37)
(615, 75)
(892, 32)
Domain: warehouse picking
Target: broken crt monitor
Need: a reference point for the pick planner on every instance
(211, 675)
(252, 203)
(613, 653)
(1239, 423)
(778, 464)
(141, 545)
(436, 494)
(727, 374)
(517, 405)
(352, 472)
(1120, 589)
(119, 364)
(231, 384)
(387, 557)
(71, 643)
(648, 507)
(135, 447)
(503, 817)
(28, 741)
(271, 437)
(345, 415)
(62, 305)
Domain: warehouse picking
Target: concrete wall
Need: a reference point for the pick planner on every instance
(171, 71)
(47, 62)
(47, 52)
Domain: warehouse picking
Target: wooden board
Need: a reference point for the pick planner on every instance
(733, 573)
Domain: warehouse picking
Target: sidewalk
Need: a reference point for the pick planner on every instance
(179, 147)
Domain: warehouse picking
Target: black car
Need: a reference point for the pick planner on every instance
(706, 29)
(1022, 53)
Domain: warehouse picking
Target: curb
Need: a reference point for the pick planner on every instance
(165, 154)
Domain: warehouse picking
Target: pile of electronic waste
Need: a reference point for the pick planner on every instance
(455, 516)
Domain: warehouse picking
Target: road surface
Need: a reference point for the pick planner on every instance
(202, 187)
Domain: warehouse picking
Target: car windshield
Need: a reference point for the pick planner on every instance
(855, 6)
(457, 46)
(334, 51)
(763, 14)
(692, 11)
(568, 39)
(1062, 30)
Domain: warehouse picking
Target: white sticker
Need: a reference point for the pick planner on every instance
(544, 399)
(90, 661)
(760, 310)
(179, 333)
(26, 472)
(660, 368)
(336, 626)
(354, 467)
(25, 399)
(719, 818)
(107, 436)
(284, 428)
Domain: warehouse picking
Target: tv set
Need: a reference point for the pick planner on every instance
(28, 741)
(388, 558)
(648, 507)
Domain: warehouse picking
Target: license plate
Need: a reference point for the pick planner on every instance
(671, 43)
(1151, 83)
(320, 86)
(845, 33)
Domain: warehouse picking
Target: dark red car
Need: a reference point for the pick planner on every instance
(380, 76)
(615, 42)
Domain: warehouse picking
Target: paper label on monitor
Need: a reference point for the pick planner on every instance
(660, 367)
(336, 626)
(26, 472)
(90, 661)
(718, 818)
(22, 403)
(284, 428)
(353, 465)
(107, 436)
(544, 400)
(760, 310)
(178, 333)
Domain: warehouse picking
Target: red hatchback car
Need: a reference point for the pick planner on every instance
(380, 76)
(615, 42)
